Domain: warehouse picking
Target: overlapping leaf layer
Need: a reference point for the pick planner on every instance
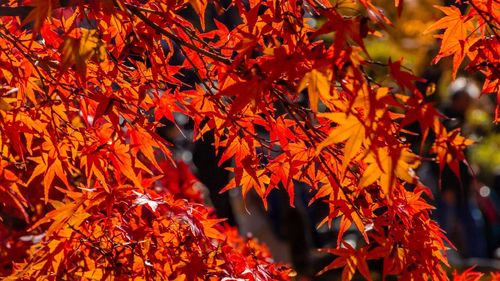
(84, 85)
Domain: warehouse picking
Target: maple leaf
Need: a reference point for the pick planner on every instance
(236, 146)
(318, 85)
(9, 188)
(404, 78)
(77, 51)
(209, 229)
(387, 164)
(349, 258)
(143, 141)
(200, 6)
(468, 275)
(85, 89)
(249, 177)
(449, 148)
(96, 274)
(144, 199)
(4, 105)
(349, 129)
(282, 172)
(41, 10)
(166, 107)
(63, 214)
(121, 159)
(246, 92)
(457, 38)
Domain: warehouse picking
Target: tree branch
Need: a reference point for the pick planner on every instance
(21, 11)
(135, 11)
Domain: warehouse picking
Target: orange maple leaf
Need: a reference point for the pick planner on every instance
(457, 38)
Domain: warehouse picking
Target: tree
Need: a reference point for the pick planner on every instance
(84, 87)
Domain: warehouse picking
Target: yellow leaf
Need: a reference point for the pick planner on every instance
(78, 51)
(96, 274)
(4, 105)
(317, 85)
(386, 168)
(349, 129)
(210, 231)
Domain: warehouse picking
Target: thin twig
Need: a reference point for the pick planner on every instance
(134, 10)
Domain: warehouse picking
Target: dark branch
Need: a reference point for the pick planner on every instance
(135, 10)
(21, 11)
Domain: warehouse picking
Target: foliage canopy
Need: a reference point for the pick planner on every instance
(85, 83)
